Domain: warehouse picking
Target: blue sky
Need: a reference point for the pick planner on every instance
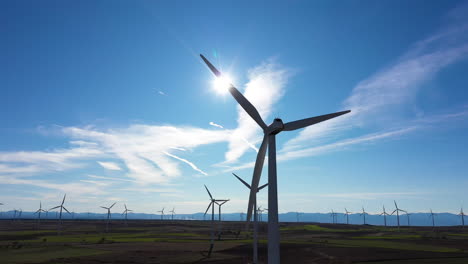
(111, 102)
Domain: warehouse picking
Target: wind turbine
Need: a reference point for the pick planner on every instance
(125, 212)
(172, 213)
(384, 215)
(219, 208)
(269, 138)
(212, 202)
(14, 214)
(61, 208)
(162, 213)
(333, 215)
(433, 221)
(108, 215)
(39, 211)
(397, 210)
(298, 214)
(462, 215)
(255, 234)
(407, 218)
(364, 214)
(347, 216)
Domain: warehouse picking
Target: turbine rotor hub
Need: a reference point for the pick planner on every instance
(276, 127)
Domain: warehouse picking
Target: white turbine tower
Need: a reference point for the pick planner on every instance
(126, 212)
(347, 216)
(397, 210)
(384, 213)
(108, 215)
(39, 211)
(269, 139)
(212, 205)
(61, 208)
(255, 234)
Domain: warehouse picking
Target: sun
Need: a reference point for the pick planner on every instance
(222, 84)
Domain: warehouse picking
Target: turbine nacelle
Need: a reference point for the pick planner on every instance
(275, 127)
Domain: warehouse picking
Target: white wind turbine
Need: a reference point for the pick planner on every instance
(61, 208)
(433, 221)
(126, 212)
(364, 214)
(397, 210)
(384, 213)
(212, 205)
(172, 213)
(269, 139)
(39, 211)
(333, 215)
(347, 216)
(462, 215)
(108, 215)
(219, 208)
(255, 233)
(162, 213)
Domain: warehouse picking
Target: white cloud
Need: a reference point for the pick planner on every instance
(109, 165)
(265, 88)
(216, 125)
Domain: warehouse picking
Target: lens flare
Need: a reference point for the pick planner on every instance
(222, 84)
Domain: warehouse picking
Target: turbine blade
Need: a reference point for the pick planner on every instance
(256, 175)
(125, 206)
(396, 206)
(241, 180)
(263, 186)
(66, 210)
(248, 107)
(54, 208)
(208, 207)
(208, 192)
(63, 201)
(311, 121)
(105, 207)
(393, 212)
(112, 205)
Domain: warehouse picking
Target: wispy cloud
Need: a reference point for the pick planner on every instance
(186, 161)
(386, 99)
(109, 165)
(216, 125)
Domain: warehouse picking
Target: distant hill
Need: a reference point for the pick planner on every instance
(416, 219)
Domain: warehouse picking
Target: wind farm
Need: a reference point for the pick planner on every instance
(225, 132)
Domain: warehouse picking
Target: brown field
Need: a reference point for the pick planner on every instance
(188, 241)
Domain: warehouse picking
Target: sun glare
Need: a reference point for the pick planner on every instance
(221, 84)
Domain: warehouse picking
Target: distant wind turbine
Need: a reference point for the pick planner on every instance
(347, 216)
(269, 139)
(61, 208)
(407, 218)
(333, 215)
(364, 214)
(212, 205)
(126, 212)
(219, 208)
(172, 213)
(462, 215)
(397, 210)
(108, 215)
(433, 221)
(38, 212)
(255, 233)
(384, 213)
(298, 214)
(162, 213)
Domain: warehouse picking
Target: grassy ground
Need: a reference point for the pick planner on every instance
(188, 241)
